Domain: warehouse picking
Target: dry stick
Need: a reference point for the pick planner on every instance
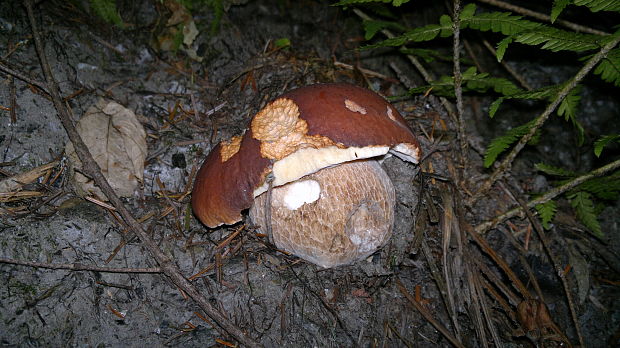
(486, 311)
(92, 169)
(458, 78)
(8, 69)
(485, 226)
(507, 162)
(556, 264)
(475, 307)
(79, 267)
(428, 315)
(542, 17)
(448, 230)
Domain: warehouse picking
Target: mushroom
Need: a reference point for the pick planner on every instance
(307, 169)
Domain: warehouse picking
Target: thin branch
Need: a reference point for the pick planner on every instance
(485, 226)
(507, 162)
(428, 315)
(556, 264)
(458, 79)
(9, 70)
(91, 168)
(543, 17)
(79, 267)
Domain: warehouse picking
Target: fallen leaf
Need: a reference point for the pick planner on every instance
(117, 142)
(16, 182)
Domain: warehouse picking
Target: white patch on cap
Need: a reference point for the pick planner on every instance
(406, 152)
(309, 160)
(390, 114)
(299, 193)
(355, 107)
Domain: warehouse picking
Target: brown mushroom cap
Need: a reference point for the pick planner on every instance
(299, 133)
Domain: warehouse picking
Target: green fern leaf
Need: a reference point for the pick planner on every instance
(599, 5)
(609, 68)
(468, 12)
(106, 9)
(395, 3)
(584, 208)
(372, 27)
(472, 81)
(554, 171)
(502, 46)
(568, 106)
(546, 211)
(500, 22)
(495, 106)
(607, 187)
(558, 7)
(603, 141)
(425, 33)
(558, 40)
(427, 54)
(537, 94)
(500, 144)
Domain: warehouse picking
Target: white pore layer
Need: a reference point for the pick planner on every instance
(299, 193)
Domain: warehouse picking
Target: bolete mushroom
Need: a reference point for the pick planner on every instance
(307, 169)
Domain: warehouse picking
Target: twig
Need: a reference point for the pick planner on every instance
(427, 315)
(507, 162)
(6, 67)
(556, 264)
(458, 90)
(485, 226)
(542, 17)
(79, 267)
(91, 168)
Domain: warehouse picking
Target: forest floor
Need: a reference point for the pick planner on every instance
(436, 272)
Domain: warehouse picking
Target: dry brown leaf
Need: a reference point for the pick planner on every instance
(16, 182)
(117, 142)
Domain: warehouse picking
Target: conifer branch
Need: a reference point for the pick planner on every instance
(485, 226)
(506, 164)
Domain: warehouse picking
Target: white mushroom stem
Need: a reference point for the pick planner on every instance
(333, 217)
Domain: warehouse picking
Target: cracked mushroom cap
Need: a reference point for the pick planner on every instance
(297, 134)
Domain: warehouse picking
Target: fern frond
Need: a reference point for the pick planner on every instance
(607, 187)
(472, 81)
(537, 94)
(609, 67)
(546, 211)
(425, 33)
(355, 2)
(555, 40)
(603, 141)
(372, 27)
(558, 7)
(499, 22)
(554, 171)
(427, 54)
(106, 9)
(599, 5)
(584, 209)
(500, 144)
(568, 108)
